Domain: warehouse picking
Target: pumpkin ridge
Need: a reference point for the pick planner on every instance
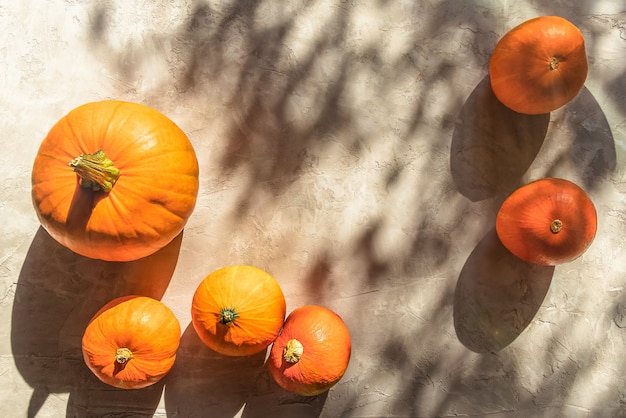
(166, 205)
(253, 324)
(116, 120)
(115, 136)
(55, 204)
(252, 335)
(244, 307)
(132, 220)
(248, 317)
(157, 366)
(243, 303)
(77, 137)
(228, 294)
(146, 162)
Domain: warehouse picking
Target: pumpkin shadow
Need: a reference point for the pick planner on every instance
(493, 146)
(204, 383)
(497, 295)
(57, 293)
(267, 399)
(95, 398)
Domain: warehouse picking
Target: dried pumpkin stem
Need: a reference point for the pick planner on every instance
(293, 351)
(228, 316)
(122, 355)
(554, 63)
(556, 226)
(96, 171)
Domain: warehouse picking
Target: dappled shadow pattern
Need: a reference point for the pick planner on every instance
(616, 88)
(582, 142)
(58, 292)
(493, 146)
(264, 134)
(497, 296)
(281, 111)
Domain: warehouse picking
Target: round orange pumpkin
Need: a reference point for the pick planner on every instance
(131, 342)
(312, 352)
(114, 180)
(539, 65)
(549, 221)
(238, 310)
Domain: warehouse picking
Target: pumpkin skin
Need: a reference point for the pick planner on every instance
(131, 342)
(539, 65)
(238, 310)
(549, 221)
(127, 217)
(312, 352)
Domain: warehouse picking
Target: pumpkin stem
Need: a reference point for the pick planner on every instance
(556, 226)
(122, 355)
(228, 316)
(554, 64)
(96, 171)
(293, 351)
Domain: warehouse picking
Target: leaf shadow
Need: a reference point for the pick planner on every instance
(582, 142)
(497, 296)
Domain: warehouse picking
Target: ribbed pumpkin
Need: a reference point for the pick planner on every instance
(539, 65)
(114, 180)
(238, 310)
(549, 221)
(131, 342)
(312, 352)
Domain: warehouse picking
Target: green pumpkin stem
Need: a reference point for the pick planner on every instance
(228, 316)
(96, 171)
(122, 355)
(293, 351)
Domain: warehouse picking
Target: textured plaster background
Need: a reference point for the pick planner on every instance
(355, 151)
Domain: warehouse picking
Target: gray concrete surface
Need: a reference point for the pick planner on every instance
(354, 150)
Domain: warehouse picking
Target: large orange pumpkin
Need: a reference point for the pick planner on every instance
(131, 342)
(114, 180)
(238, 310)
(539, 65)
(312, 352)
(549, 221)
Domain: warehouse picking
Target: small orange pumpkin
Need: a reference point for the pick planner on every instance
(312, 352)
(114, 180)
(539, 65)
(549, 221)
(238, 310)
(131, 342)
